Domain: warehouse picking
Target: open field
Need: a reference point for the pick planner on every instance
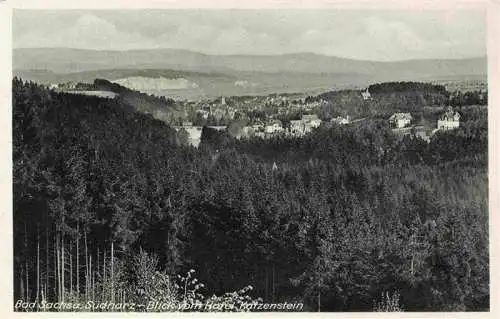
(105, 94)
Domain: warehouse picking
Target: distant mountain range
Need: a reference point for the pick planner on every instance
(63, 60)
(234, 74)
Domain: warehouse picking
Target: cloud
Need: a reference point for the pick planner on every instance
(387, 38)
(374, 35)
(88, 31)
(91, 29)
(384, 39)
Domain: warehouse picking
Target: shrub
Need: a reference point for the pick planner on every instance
(388, 303)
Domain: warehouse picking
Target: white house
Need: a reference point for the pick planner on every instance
(341, 120)
(312, 120)
(400, 120)
(297, 127)
(273, 127)
(449, 120)
(366, 95)
(70, 85)
(304, 125)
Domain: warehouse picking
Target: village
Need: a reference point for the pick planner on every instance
(286, 115)
(262, 119)
(326, 158)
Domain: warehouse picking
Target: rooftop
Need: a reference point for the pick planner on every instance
(310, 117)
(450, 115)
(400, 116)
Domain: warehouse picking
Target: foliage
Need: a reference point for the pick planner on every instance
(388, 303)
(476, 97)
(391, 87)
(347, 213)
(386, 99)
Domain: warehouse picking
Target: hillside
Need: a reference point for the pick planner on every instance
(215, 75)
(161, 108)
(332, 224)
(194, 85)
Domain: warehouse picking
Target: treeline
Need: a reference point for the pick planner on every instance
(156, 102)
(334, 224)
(393, 87)
(370, 142)
(476, 97)
(407, 96)
(390, 97)
(343, 103)
(160, 107)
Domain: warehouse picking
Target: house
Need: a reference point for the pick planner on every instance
(304, 125)
(273, 127)
(341, 120)
(400, 120)
(312, 120)
(300, 127)
(366, 95)
(297, 127)
(69, 85)
(449, 120)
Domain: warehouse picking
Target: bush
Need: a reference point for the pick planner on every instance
(388, 303)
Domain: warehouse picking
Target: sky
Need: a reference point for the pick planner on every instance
(380, 35)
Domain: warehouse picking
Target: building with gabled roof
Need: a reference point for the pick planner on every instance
(449, 120)
(400, 120)
(273, 126)
(311, 119)
(341, 120)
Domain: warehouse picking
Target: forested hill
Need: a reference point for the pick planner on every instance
(389, 97)
(88, 167)
(82, 154)
(89, 112)
(391, 87)
(97, 183)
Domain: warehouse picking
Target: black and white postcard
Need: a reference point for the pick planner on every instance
(268, 157)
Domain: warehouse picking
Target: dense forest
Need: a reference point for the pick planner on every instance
(390, 97)
(109, 205)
